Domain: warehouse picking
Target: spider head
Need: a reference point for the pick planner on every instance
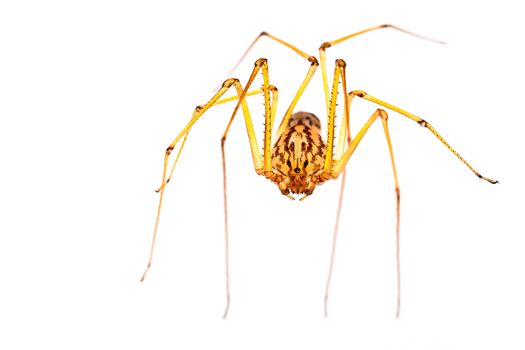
(298, 155)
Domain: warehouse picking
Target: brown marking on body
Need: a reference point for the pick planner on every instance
(298, 154)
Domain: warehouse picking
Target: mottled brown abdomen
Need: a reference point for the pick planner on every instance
(299, 152)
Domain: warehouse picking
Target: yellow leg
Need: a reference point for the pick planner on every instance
(199, 111)
(341, 164)
(273, 89)
(226, 234)
(313, 66)
(334, 243)
(322, 54)
(264, 167)
(384, 117)
(325, 45)
(339, 74)
(280, 41)
(322, 58)
(344, 140)
(270, 108)
(344, 129)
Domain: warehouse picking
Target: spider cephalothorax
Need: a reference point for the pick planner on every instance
(298, 155)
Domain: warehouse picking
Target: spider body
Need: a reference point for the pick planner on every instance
(298, 155)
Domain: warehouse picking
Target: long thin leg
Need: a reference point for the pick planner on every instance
(280, 41)
(322, 56)
(175, 161)
(199, 111)
(384, 120)
(384, 117)
(313, 66)
(344, 141)
(339, 74)
(325, 45)
(269, 108)
(223, 100)
(334, 244)
(226, 234)
(262, 64)
(269, 113)
(341, 164)
(344, 131)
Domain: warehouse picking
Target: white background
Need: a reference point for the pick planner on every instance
(91, 93)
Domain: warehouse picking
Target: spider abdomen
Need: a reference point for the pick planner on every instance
(298, 155)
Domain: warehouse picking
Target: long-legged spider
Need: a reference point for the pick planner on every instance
(300, 159)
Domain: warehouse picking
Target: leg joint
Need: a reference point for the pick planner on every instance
(358, 93)
(198, 108)
(324, 46)
(229, 82)
(261, 62)
(313, 60)
(383, 114)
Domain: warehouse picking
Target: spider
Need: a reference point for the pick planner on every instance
(300, 159)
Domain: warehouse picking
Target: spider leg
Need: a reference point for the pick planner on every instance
(265, 168)
(340, 165)
(334, 243)
(420, 121)
(313, 66)
(379, 113)
(339, 74)
(325, 45)
(322, 58)
(280, 41)
(199, 111)
(223, 100)
(175, 161)
(344, 140)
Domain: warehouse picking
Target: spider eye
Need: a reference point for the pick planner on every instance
(305, 164)
(289, 163)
